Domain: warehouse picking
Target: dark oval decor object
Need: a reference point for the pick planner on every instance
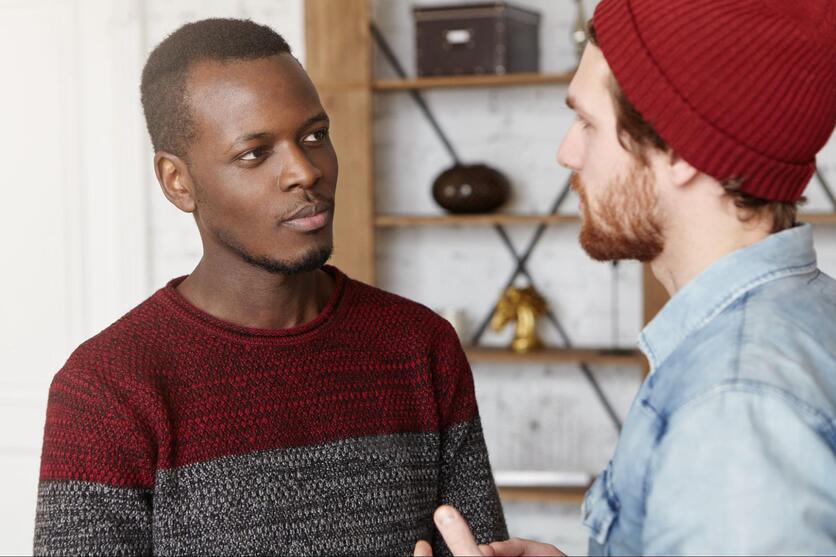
(471, 189)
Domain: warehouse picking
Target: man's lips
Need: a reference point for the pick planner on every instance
(309, 217)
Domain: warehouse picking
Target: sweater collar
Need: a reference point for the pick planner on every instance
(185, 309)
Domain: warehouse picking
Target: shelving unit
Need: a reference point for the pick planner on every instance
(338, 59)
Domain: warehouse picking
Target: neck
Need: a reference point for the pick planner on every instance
(245, 295)
(692, 247)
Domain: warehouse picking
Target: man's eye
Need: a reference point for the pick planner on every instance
(316, 136)
(253, 154)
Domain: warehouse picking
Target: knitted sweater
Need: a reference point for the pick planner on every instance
(172, 432)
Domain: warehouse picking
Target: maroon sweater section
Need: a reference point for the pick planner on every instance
(169, 385)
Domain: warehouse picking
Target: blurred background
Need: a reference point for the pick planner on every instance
(86, 234)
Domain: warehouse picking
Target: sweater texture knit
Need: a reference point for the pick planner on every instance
(173, 432)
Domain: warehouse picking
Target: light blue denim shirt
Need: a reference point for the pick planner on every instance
(730, 445)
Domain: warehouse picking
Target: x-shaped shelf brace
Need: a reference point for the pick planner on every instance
(521, 260)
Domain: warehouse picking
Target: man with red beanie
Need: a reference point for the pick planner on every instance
(697, 129)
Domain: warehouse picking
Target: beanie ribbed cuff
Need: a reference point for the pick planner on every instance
(707, 148)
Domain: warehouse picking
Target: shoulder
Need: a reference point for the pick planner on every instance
(804, 305)
(127, 351)
(394, 325)
(777, 340)
(788, 340)
(397, 315)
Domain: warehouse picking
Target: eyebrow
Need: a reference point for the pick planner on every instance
(250, 136)
(572, 103)
(321, 117)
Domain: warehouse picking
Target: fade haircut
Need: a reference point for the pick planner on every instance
(165, 98)
(637, 135)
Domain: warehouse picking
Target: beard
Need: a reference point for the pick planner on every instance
(625, 224)
(310, 261)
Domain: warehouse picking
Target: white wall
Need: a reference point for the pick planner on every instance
(86, 233)
(73, 221)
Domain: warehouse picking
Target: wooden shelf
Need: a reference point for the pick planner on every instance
(489, 354)
(443, 82)
(818, 218)
(401, 221)
(405, 221)
(542, 494)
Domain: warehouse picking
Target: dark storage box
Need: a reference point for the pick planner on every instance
(489, 38)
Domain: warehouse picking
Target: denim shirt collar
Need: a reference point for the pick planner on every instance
(779, 255)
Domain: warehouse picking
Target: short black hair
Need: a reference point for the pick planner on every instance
(164, 96)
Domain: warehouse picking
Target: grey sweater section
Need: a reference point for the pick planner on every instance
(365, 496)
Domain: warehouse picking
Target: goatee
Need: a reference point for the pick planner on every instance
(309, 261)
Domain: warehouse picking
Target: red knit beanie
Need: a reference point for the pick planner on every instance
(741, 89)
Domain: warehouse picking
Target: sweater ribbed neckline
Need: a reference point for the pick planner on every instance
(193, 314)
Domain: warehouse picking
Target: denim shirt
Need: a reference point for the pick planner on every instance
(730, 444)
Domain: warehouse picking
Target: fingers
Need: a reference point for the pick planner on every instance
(516, 547)
(455, 531)
(423, 549)
(486, 551)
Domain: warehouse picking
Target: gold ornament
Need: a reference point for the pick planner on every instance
(522, 305)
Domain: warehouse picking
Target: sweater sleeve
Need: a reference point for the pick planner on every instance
(466, 481)
(95, 494)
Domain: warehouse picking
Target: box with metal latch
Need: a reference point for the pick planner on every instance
(487, 38)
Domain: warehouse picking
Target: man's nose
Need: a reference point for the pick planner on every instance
(297, 170)
(569, 153)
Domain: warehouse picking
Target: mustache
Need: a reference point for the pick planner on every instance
(311, 205)
(579, 188)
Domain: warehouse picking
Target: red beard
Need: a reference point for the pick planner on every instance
(625, 224)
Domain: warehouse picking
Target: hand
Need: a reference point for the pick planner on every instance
(518, 547)
(460, 540)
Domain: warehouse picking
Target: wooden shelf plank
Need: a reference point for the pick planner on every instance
(442, 82)
(490, 354)
(403, 221)
(818, 218)
(543, 494)
(399, 221)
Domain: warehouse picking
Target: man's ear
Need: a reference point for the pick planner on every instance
(176, 182)
(681, 172)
